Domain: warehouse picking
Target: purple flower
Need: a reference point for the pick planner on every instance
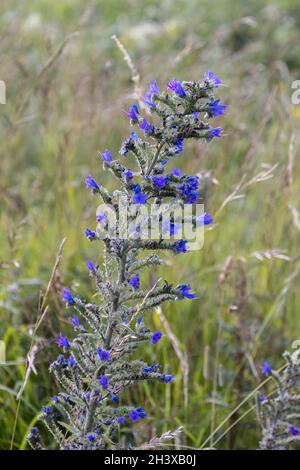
(55, 399)
(176, 172)
(75, 321)
(134, 416)
(156, 337)
(176, 86)
(146, 127)
(128, 175)
(104, 355)
(214, 132)
(104, 382)
(212, 78)
(294, 431)
(133, 112)
(72, 361)
(90, 265)
(204, 219)
(153, 90)
(184, 291)
(90, 437)
(134, 136)
(139, 197)
(63, 342)
(106, 156)
(160, 181)
(121, 419)
(90, 234)
(139, 320)
(215, 109)
(134, 281)
(181, 246)
(266, 369)
(91, 183)
(101, 217)
(68, 297)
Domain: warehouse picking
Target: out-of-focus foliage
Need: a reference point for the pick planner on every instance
(68, 88)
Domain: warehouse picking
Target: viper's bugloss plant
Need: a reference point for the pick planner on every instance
(279, 414)
(94, 369)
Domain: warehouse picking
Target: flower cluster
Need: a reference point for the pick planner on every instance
(94, 369)
(279, 413)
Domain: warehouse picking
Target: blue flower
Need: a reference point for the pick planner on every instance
(156, 337)
(142, 414)
(212, 78)
(263, 398)
(72, 361)
(184, 290)
(91, 183)
(176, 86)
(61, 361)
(134, 281)
(128, 144)
(160, 181)
(104, 355)
(101, 217)
(68, 297)
(139, 197)
(63, 342)
(55, 399)
(215, 109)
(133, 112)
(178, 146)
(75, 321)
(106, 156)
(128, 175)
(114, 398)
(188, 190)
(153, 90)
(266, 369)
(139, 320)
(204, 219)
(90, 265)
(148, 370)
(121, 419)
(167, 378)
(181, 246)
(104, 382)
(146, 127)
(176, 172)
(90, 234)
(134, 416)
(134, 136)
(90, 437)
(294, 431)
(214, 132)
(48, 410)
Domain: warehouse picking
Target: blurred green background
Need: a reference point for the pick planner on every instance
(68, 88)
